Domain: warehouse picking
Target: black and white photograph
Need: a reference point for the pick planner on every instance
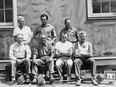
(57, 43)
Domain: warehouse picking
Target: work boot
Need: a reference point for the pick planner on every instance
(94, 82)
(12, 83)
(78, 83)
(61, 79)
(51, 78)
(28, 79)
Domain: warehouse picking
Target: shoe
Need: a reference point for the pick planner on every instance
(34, 80)
(94, 82)
(27, 80)
(78, 83)
(68, 78)
(61, 79)
(52, 78)
(11, 83)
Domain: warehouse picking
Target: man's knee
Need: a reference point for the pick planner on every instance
(70, 62)
(58, 63)
(76, 61)
(13, 62)
(92, 60)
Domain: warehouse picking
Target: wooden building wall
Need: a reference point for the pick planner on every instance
(101, 33)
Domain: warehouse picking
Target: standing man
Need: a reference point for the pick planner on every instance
(82, 53)
(63, 51)
(43, 56)
(19, 54)
(46, 29)
(24, 30)
(71, 32)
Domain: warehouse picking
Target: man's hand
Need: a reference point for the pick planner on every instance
(77, 54)
(34, 61)
(20, 60)
(50, 59)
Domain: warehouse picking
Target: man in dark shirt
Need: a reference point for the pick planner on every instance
(44, 55)
(71, 32)
(46, 29)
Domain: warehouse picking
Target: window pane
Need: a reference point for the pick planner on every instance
(1, 4)
(96, 7)
(9, 15)
(1, 16)
(8, 4)
(105, 6)
(113, 5)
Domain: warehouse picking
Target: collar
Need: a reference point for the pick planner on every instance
(46, 25)
(68, 29)
(22, 27)
(19, 44)
(45, 44)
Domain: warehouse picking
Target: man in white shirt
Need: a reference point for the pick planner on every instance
(63, 51)
(23, 29)
(19, 54)
(82, 53)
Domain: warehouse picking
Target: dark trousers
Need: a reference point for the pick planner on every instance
(15, 63)
(42, 61)
(87, 62)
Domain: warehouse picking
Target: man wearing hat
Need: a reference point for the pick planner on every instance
(23, 29)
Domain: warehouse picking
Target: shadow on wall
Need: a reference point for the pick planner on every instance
(110, 52)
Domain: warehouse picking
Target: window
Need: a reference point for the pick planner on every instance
(101, 9)
(8, 13)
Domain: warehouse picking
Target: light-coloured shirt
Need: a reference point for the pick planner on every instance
(85, 48)
(19, 51)
(64, 47)
(25, 31)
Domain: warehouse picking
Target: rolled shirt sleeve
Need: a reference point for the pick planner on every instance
(54, 33)
(11, 53)
(28, 52)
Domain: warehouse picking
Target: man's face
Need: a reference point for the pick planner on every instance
(21, 22)
(43, 39)
(64, 38)
(19, 39)
(82, 37)
(44, 20)
(68, 23)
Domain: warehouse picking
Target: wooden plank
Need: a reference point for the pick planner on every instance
(105, 61)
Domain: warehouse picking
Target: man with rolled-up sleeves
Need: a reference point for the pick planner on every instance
(19, 54)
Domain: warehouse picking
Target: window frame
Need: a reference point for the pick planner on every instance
(14, 23)
(91, 15)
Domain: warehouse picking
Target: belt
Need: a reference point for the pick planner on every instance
(73, 41)
(21, 58)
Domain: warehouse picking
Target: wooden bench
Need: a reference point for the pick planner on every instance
(105, 63)
(100, 61)
(5, 70)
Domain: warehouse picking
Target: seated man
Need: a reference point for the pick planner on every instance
(82, 53)
(43, 56)
(19, 54)
(63, 51)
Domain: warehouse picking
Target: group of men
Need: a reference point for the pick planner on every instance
(72, 48)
